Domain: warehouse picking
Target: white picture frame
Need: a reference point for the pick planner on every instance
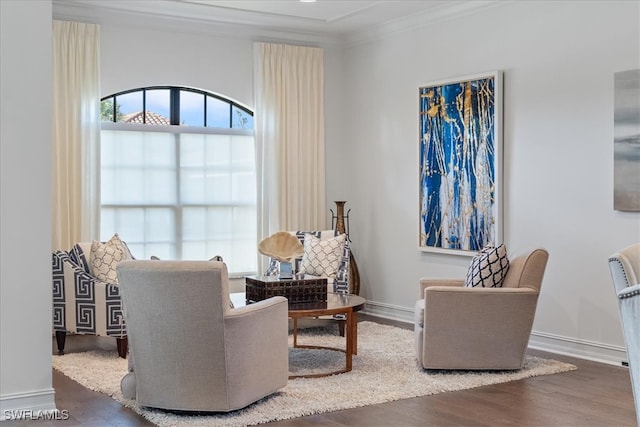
(460, 164)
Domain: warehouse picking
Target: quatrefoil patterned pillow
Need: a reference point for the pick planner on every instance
(489, 268)
(105, 257)
(322, 257)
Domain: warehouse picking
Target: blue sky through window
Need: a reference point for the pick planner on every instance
(193, 104)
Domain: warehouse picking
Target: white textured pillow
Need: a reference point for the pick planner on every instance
(489, 268)
(322, 257)
(105, 257)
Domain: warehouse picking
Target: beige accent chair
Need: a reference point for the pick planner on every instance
(625, 272)
(479, 328)
(189, 350)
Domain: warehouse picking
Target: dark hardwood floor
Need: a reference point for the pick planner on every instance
(595, 395)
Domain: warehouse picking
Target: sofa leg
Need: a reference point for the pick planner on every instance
(61, 337)
(123, 344)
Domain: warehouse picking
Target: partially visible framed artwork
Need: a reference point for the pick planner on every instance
(461, 164)
(626, 141)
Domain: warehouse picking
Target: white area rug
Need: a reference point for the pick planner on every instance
(384, 370)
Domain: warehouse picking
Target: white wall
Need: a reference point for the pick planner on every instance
(558, 60)
(134, 57)
(25, 222)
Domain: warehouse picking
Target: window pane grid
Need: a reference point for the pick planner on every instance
(147, 230)
(183, 106)
(180, 194)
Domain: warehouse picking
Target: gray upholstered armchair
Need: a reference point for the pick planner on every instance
(189, 350)
(625, 272)
(458, 327)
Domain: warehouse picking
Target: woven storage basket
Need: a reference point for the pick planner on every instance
(297, 290)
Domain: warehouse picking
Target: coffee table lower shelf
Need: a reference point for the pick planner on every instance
(347, 367)
(345, 304)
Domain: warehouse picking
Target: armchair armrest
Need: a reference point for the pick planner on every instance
(483, 303)
(428, 282)
(629, 291)
(256, 337)
(235, 315)
(68, 262)
(110, 290)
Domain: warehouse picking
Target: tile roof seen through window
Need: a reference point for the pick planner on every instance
(151, 118)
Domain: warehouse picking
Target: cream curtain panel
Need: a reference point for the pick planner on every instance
(289, 120)
(76, 133)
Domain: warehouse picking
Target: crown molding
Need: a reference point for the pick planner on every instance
(187, 17)
(186, 21)
(442, 13)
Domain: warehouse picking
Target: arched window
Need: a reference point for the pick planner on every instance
(178, 175)
(172, 105)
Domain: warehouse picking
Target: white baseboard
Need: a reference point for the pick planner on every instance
(33, 405)
(388, 311)
(582, 349)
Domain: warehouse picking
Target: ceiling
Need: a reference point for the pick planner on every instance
(324, 16)
(333, 18)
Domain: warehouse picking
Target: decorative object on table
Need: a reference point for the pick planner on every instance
(460, 164)
(286, 270)
(340, 221)
(337, 283)
(299, 289)
(285, 248)
(626, 141)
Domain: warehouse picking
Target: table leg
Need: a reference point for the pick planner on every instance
(354, 332)
(350, 341)
(295, 332)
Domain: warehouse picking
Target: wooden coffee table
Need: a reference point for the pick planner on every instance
(345, 304)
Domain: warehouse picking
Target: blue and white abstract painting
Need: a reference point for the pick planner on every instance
(459, 164)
